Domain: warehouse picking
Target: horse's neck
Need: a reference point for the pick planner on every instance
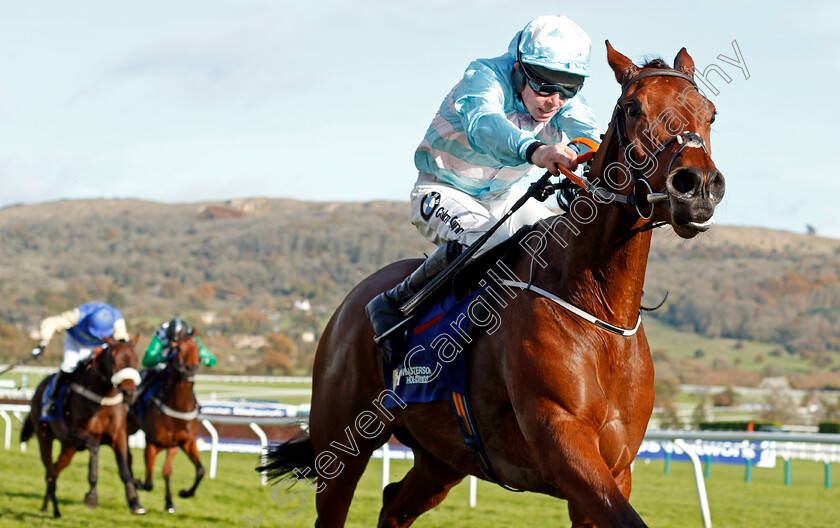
(178, 390)
(602, 268)
(95, 381)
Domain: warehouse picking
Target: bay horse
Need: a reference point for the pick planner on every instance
(170, 420)
(100, 391)
(562, 388)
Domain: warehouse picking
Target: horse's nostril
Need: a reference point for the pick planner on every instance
(717, 186)
(684, 181)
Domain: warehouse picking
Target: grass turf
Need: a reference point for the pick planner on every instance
(663, 501)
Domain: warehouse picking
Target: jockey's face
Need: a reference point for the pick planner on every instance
(541, 107)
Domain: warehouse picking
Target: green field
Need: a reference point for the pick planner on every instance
(683, 345)
(664, 501)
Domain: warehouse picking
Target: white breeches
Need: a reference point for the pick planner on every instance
(442, 213)
(73, 353)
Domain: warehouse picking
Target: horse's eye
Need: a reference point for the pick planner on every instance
(712, 120)
(632, 110)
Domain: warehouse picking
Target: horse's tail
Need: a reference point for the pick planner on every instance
(296, 454)
(28, 428)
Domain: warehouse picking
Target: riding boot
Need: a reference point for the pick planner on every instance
(384, 310)
(61, 380)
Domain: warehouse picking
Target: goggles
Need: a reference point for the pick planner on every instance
(566, 91)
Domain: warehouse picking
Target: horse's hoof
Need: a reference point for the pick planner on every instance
(91, 502)
(138, 510)
(185, 494)
(170, 509)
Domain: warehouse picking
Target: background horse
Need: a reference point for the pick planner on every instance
(170, 420)
(560, 402)
(99, 393)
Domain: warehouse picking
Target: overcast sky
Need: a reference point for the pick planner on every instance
(325, 100)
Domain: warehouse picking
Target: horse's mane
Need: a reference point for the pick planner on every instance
(656, 62)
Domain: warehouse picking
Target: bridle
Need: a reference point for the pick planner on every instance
(179, 366)
(683, 140)
(187, 372)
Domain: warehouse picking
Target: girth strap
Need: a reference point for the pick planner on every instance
(574, 309)
(463, 415)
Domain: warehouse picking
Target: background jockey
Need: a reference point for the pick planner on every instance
(507, 117)
(161, 345)
(86, 327)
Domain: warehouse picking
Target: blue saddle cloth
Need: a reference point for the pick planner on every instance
(145, 399)
(435, 364)
(46, 416)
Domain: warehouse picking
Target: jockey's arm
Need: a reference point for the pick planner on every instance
(57, 323)
(153, 353)
(205, 356)
(575, 119)
(480, 104)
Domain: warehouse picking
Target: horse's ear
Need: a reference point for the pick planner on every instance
(109, 340)
(135, 340)
(684, 63)
(621, 65)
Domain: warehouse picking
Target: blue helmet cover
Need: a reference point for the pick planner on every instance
(554, 42)
(101, 323)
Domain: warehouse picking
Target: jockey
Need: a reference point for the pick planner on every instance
(86, 326)
(507, 117)
(161, 345)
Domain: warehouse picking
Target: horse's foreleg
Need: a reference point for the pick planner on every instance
(579, 520)
(120, 445)
(571, 459)
(151, 453)
(91, 499)
(167, 473)
(423, 488)
(191, 449)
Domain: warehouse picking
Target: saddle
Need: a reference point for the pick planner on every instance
(150, 385)
(434, 364)
(473, 277)
(435, 367)
(51, 413)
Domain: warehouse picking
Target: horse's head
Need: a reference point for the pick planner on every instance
(120, 362)
(662, 125)
(184, 357)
